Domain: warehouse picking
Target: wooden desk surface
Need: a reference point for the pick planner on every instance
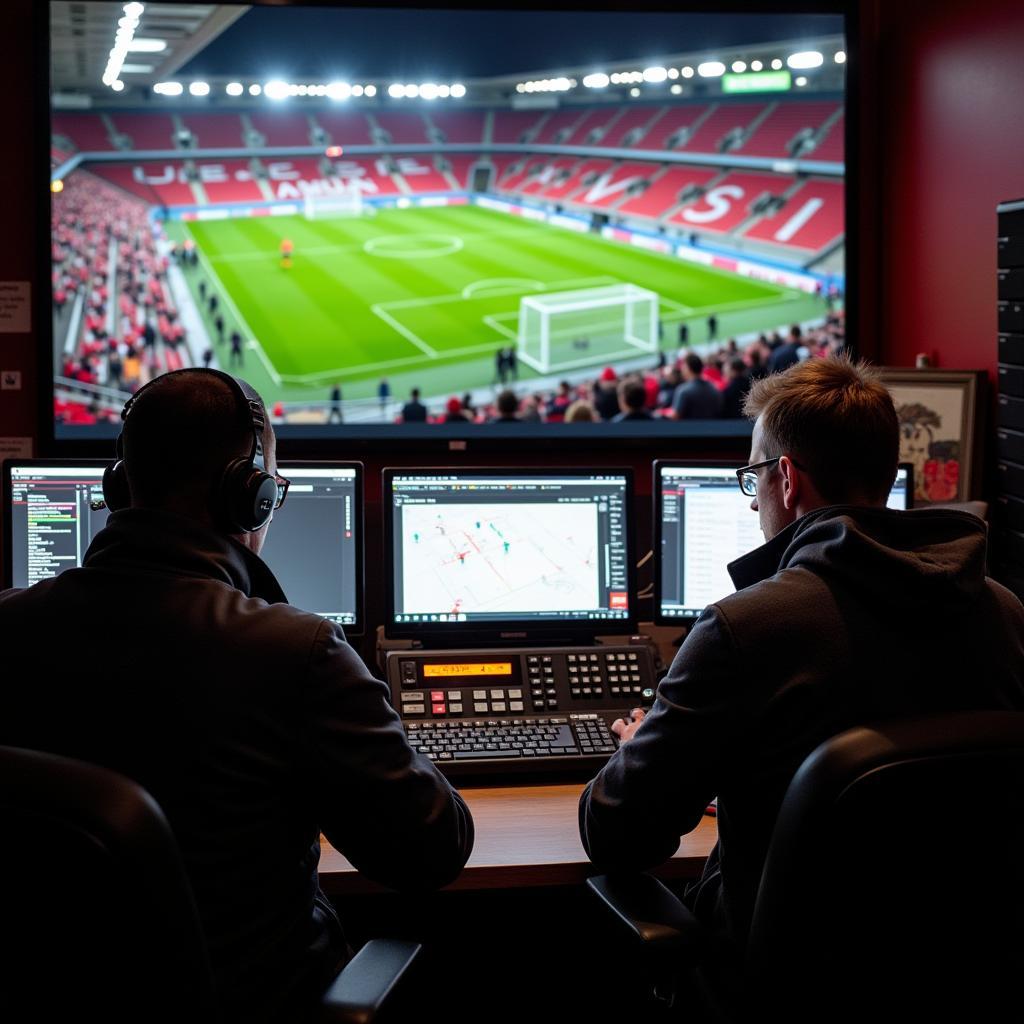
(525, 836)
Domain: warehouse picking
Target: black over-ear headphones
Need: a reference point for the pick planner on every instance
(246, 494)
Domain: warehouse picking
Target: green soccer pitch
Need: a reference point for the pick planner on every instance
(426, 296)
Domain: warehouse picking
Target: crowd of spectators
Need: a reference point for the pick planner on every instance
(687, 386)
(129, 329)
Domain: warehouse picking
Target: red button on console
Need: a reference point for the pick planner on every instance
(437, 695)
(437, 709)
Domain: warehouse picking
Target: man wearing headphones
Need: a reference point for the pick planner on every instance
(253, 724)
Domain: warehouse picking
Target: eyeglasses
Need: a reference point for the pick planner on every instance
(747, 475)
(282, 490)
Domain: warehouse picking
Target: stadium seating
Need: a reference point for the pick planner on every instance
(824, 218)
(640, 120)
(559, 126)
(512, 125)
(663, 195)
(213, 131)
(832, 144)
(282, 129)
(596, 119)
(86, 132)
(345, 129)
(613, 186)
(420, 174)
(774, 136)
(403, 128)
(462, 167)
(369, 170)
(228, 181)
(724, 119)
(728, 203)
(520, 169)
(551, 175)
(669, 126)
(585, 169)
(459, 125)
(146, 131)
(162, 182)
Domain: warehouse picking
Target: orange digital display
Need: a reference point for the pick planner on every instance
(470, 668)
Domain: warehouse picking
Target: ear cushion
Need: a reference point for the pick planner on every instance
(116, 493)
(246, 496)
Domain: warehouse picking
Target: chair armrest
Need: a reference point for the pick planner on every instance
(369, 979)
(651, 914)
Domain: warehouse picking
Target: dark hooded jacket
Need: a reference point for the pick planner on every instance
(849, 615)
(172, 657)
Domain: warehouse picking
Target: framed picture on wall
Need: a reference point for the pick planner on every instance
(939, 416)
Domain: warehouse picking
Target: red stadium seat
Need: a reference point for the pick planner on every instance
(663, 195)
(282, 129)
(146, 131)
(459, 125)
(775, 134)
(612, 186)
(671, 123)
(345, 129)
(727, 204)
(585, 169)
(403, 128)
(559, 126)
(723, 119)
(831, 146)
(228, 181)
(511, 125)
(86, 132)
(214, 131)
(812, 218)
(634, 119)
(421, 175)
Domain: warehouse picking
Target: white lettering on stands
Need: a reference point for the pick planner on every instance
(282, 170)
(604, 187)
(799, 219)
(408, 165)
(210, 173)
(166, 178)
(717, 201)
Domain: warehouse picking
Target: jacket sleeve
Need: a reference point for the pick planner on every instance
(656, 786)
(386, 807)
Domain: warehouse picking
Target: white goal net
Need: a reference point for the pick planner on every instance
(561, 330)
(344, 202)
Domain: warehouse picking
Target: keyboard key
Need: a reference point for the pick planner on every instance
(463, 755)
(515, 705)
(515, 694)
(498, 706)
(497, 694)
(413, 697)
(480, 708)
(455, 709)
(415, 709)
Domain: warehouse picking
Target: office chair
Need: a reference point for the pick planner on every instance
(893, 887)
(98, 916)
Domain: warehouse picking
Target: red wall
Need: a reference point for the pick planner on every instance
(951, 146)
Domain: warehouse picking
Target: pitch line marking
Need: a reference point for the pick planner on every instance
(390, 246)
(495, 286)
(378, 310)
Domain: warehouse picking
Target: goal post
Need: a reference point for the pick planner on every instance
(342, 202)
(561, 330)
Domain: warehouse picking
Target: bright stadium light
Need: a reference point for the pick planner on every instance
(147, 46)
(411, 91)
(370, 90)
(429, 91)
(444, 91)
(234, 89)
(458, 91)
(840, 57)
(117, 85)
(599, 80)
(805, 59)
(673, 72)
(739, 66)
(711, 69)
(199, 88)
(357, 90)
(634, 92)
(275, 89)
(676, 89)
(255, 89)
(686, 72)
(293, 89)
(168, 88)
(396, 91)
(339, 91)
(777, 64)
(800, 80)
(756, 65)
(134, 10)
(655, 74)
(56, 186)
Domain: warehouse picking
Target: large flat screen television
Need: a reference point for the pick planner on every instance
(411, 220)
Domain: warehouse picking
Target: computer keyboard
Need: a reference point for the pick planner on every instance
(536, 710)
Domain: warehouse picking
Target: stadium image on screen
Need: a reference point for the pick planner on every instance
(343, 205)
(313, 547)
(703, 521)
(510, 546)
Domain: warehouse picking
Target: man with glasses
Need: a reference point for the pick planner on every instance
(173, 657)
(850, 612)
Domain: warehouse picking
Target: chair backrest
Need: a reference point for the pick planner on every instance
(894, 882)
(97, 910)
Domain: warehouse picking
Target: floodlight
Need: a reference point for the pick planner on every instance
(444, 91)
(339, 91)
(199, 88)
(298, 90)
(686, 72)
(805, 59)
(598, 80)
(756, 65)
(429, 91)
(800, 80)
(739, 66)
(134, 10)
(396, 91)
(370, 90)
(168, 88)
(634, 92)
(655, 74)
(56, 185)
(840, 57)
(673, 72)
(711, 69)
(357, 90)
(411, 91)
(676, 89)
(255, 90)
(458, 91)
(141, 45)
(117, 85)
(275, 89)
(234, 89)
(777, 64)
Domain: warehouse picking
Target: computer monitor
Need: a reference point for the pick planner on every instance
(702, 522)
(314, 547)
(504, 554)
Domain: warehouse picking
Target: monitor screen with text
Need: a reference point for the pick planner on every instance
(480, 547)
(705, 522)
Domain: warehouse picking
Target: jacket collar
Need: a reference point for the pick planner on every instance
(161, 543)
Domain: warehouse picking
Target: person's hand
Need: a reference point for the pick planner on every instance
(624, 728)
